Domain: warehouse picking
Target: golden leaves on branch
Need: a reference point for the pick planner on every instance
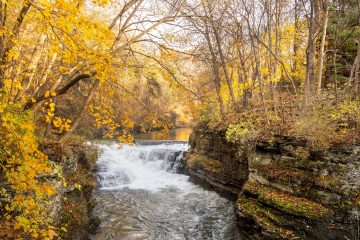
(61, 124)
(119, 128)
(26, 198)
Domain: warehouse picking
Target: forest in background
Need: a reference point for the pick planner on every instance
(109, 68)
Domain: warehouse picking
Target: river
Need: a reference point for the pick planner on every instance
(177, 134)
(141, 195)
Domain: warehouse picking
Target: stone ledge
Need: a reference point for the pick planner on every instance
(266, 219)
(286, 202)
(201, 161)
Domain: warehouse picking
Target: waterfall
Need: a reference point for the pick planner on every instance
(142, 167)
(143, 195)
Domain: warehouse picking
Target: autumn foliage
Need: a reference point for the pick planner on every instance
(69, 68)
(75, 69)
(25, 196)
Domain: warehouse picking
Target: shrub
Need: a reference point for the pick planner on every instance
(24, 197)
(239, 132)
(328, 124)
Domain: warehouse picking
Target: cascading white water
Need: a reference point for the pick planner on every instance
(142, 167)
(142, 196)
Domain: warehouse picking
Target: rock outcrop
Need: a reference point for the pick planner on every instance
(73, 204)
(215, 163)
(285, 189)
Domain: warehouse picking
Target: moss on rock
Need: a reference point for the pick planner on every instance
(286, 202)
(200, 161)
(284, 174)
(74, 217)
(264, 217)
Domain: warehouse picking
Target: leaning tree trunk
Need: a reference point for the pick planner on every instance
(31, 69)
(82, 111)
(44, 75)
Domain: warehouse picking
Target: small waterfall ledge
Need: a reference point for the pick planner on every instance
(143, 195)
(128, 166)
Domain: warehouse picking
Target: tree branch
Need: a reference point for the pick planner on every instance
(59, 92)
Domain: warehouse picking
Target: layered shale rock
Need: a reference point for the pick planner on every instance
(215, 163)
(285, 189)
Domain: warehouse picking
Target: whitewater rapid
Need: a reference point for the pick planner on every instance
(142, 195)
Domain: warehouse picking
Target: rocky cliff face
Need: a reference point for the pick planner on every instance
(215, 163)
(73, 204)
(285, 190)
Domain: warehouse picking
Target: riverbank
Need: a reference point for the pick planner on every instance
(73, 202)
(284, 188)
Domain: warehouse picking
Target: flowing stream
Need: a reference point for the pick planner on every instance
(143, 196)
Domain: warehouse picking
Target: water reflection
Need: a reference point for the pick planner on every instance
(178, 134)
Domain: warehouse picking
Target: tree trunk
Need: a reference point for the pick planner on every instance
(322, 47)
(270, 63)
(357, 61)
(335, 78)
(311, 53)
(10, 44)
(45, 74)
(227, 77)
(215, 68)
(3, 6)
(261, 85)
(255, 51)
(58, 92)
(31, 70)
(83, 110)
(296, 37)
(243, 73)
(259, 76)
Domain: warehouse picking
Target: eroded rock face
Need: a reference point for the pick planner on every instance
(286, 190)
(72, 205)
(215, 163)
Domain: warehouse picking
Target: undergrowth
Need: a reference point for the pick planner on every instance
(324, 123)
(25, 196)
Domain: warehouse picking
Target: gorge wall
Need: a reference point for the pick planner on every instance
(284, 189)
(73, 203)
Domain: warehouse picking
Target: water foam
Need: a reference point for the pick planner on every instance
(151, 167)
